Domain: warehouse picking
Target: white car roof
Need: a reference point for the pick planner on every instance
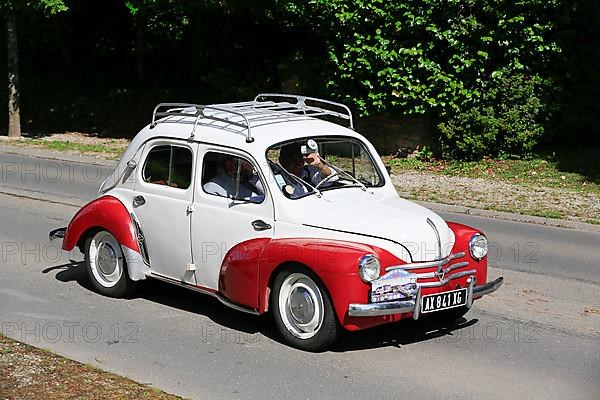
(232, 124)
(265, 132)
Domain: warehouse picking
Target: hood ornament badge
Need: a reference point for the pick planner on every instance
(440, 273)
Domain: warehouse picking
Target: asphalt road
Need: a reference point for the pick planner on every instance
(538, 337)
(42, 177)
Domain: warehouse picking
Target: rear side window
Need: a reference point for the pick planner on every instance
(170, 166)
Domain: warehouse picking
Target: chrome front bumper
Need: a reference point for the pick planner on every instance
(414, 305)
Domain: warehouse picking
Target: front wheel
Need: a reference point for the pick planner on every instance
(106, 266)
(303, 312)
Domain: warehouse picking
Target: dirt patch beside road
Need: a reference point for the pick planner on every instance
(500, 196)
(32, 374)
(538, 187)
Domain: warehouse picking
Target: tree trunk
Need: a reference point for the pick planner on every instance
(14, 116)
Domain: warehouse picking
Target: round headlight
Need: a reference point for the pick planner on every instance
(369, 268)
(478, 246)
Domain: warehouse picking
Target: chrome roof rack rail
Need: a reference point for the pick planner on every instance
(281, 105)
(175, 109)
(298, 105)
(196, 110)
(245, 124)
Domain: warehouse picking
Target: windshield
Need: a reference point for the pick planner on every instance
(312, 165)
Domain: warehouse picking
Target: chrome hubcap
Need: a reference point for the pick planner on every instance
(106, 259)
(301, 305)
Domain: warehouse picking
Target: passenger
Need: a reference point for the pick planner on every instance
(225, 183)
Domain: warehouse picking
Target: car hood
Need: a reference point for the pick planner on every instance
(380, 216)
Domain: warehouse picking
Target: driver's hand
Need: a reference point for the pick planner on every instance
(313, 159)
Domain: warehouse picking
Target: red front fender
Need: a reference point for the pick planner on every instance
(106, 213)
(335, 262)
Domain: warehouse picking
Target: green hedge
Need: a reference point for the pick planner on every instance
(478, 66)
(503, 123)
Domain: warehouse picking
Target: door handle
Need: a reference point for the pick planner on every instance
(139, 201)
(260, 225)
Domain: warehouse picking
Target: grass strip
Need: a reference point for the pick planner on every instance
(30, 373)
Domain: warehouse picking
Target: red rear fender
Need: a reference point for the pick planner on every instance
(106, 213)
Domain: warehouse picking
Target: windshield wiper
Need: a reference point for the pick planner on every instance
(340, 170)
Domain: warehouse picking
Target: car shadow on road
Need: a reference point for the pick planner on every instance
(71, 272)
(201, 304)
(178, 298)
(402, 333)
(398, 334)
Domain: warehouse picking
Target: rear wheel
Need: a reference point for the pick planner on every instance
(303, 312)
(106, 266)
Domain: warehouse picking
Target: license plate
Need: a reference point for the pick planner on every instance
(443, 301)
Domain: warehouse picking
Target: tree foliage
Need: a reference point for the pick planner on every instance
(488, 73)
(448, 58)
(504, 121)
(49, 7)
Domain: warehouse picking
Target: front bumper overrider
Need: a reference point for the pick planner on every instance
(414, 305)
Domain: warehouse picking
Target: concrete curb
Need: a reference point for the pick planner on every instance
(438, 207)
(528, 219)
(44, 197)
(56, 155)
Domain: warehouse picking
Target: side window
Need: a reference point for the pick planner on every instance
(169, 165)
(231, 176)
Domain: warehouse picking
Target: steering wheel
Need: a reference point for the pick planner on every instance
(327, 178)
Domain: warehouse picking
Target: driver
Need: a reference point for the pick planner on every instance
(310, 168)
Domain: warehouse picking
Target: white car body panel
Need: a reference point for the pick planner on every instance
(164, 219)
(377, 217)
(218, 224)
(389, 222)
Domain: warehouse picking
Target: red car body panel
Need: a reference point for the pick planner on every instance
(463, 234)
(250, 266)
(106, 213)
(239, 275)
(334, 262)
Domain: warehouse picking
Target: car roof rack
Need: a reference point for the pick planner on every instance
(198, 111)
(284, 105)
(303, 105)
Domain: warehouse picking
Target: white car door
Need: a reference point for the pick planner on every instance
(219, 222)
(163, 194)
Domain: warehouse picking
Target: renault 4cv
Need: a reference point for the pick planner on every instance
(276, 205)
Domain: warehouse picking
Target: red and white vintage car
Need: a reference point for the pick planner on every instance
(277, 205)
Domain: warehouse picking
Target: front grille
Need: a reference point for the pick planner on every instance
(444, 270)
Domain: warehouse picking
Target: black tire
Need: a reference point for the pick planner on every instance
(299, 290)
(102, 252)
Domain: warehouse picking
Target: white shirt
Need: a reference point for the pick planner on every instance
(225, 185)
